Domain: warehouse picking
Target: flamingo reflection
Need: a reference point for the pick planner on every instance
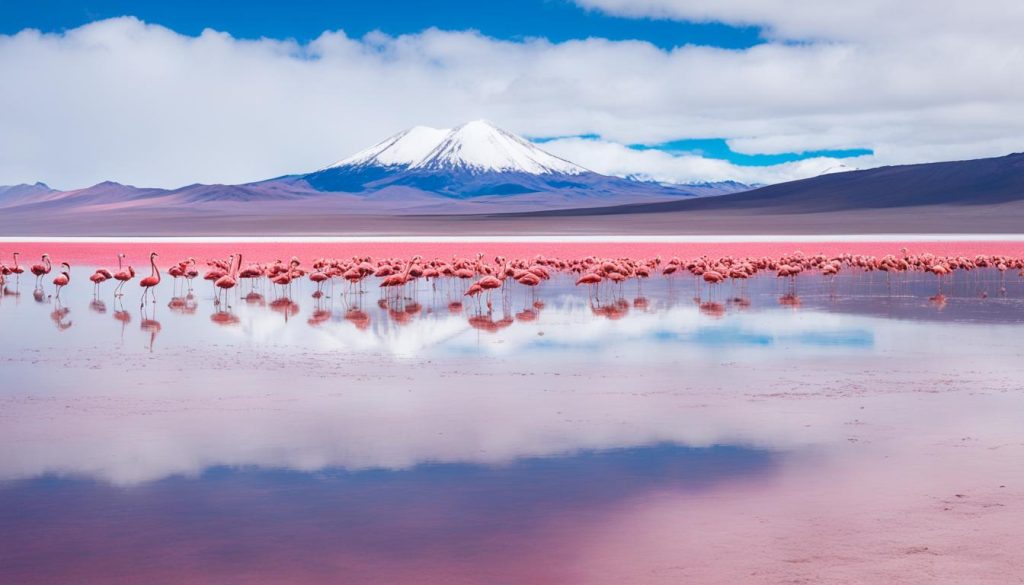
(225, 318)
(526, 315)
(186, 305)
(741, 303)
(59, 316)
(152, 326)
(488, 324)
(358, 317)
(790, 300)
(712, 309)
(254, 298)
(123, 316)
(285, 306)
(614, 310)
(320, 315)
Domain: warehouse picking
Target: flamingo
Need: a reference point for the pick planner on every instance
(191, 273)
(489, 283)
(62, 279)
(40, 270)
(399, 280)
(591, 279)
(319, 277)
(150, 281)
(16, 270)
(284, 279)
(99, 277)
(122, 275)
(228, 281)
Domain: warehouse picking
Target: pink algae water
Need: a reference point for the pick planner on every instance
(105, 253)
(854, 430)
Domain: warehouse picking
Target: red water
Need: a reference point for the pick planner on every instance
(105, 253)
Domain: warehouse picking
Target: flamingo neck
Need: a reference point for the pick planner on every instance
(155, 272)
(234, 271)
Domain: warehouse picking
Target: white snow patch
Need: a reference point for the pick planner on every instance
(475, 147)
(403, 149)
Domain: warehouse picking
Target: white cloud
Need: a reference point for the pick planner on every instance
(612, 158)
(120, 99)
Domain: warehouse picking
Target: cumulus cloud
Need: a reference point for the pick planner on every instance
(612, 158)
(125, 100)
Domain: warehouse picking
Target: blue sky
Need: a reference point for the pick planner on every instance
(557, 20)
(758, 91)
(718, 148)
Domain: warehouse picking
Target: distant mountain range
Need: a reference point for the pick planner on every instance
(480, 179)
(967, 183)
(474, 168)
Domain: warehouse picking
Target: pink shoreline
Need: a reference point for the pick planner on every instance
(105, 253)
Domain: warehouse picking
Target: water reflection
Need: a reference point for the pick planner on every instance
(429, 318)
(150, 325)
(429, 524)
(185, 305)
(59, 316)
(419, 436)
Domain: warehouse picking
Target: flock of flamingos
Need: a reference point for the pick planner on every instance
(478, 278)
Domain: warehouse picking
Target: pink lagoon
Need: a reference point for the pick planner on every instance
(818, 428)
(532, 292)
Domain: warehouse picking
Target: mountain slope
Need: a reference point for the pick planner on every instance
(988, 181)
(401, 150)
(107, 192)
(478, 159)
(13, 194)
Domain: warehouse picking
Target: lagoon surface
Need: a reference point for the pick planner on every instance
(861, 430)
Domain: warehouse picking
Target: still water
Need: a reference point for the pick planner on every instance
(839, 431)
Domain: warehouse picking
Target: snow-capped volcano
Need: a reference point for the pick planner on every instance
(475, 159)
(475, 147)
(482, 147)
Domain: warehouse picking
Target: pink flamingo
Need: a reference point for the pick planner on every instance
(62, 279)
(122, 275)
(40, 270)
(16, 270)
(99, 277)
(150, 281)
(319, 277)
(228, 281)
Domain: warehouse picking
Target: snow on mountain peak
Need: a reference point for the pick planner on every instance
(480, 146)
(475, 147)
(403, 149)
